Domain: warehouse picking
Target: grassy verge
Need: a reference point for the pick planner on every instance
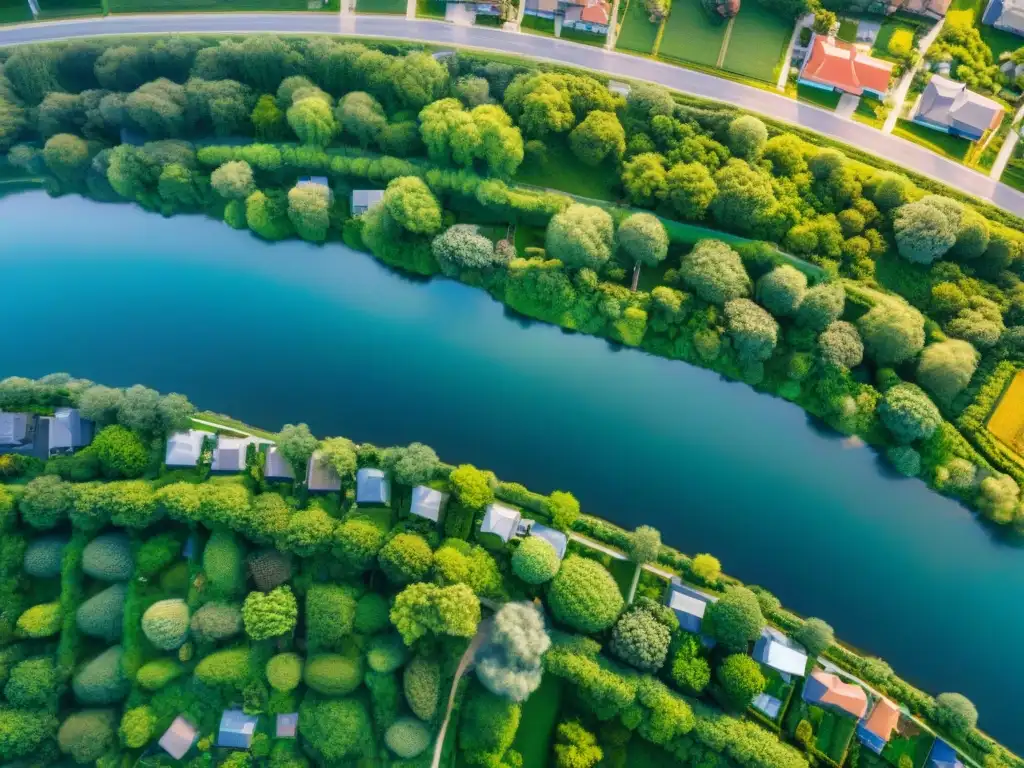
(227, 421)
(536, 25)
(952, 147)
(537, 726)
(1013, 176)
(13, 11)
(430, 9)
(825, 99)
(165, 6)
(865, 112)
(579, 36)
(381, 6)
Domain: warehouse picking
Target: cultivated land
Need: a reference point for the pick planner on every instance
(1007, 421)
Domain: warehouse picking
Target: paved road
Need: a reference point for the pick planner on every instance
(588, 57)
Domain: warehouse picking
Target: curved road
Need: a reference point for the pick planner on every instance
(612, 63)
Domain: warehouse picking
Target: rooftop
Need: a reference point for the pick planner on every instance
(841, 65)
(777, 651)
(948, 103)
(372, 486)
(286, 725)
(183, 448)
(229, 455)
(689, 606)
(13, 428)
(68, 430)
(178, 738)
(276, 467)
(501, 521)
(876, 731)
(236, 729)
(366, 198)
(829, 690)
(427, 503)
(321, 476)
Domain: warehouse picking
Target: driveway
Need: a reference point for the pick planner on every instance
(847, 105)
(612, 63)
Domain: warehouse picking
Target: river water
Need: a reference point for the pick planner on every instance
(290, 332)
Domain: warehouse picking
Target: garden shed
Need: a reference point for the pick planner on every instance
(287, 725)
(178, 738)
(775, 650)
(372, 486)
(689, 605)
(500, 520)
(321, 476)
(427, 503)
(236, 729)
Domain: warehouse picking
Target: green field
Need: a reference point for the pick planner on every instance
(818, 97)
(12, 11)
(564, 172)
(757, 43)
(637, 34)
(848, 30)
(691, 35)
(537, 725)
(889, 27)
(430, 9)
(380, 6)
(1013, 176)
(537, 25)
(579, 36)
(953, 147)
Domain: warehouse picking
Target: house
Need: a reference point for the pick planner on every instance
(321, 477)
(365, 199)
(13, 428)
(689, 605)
(775, 650)
(236, 729)
(875, 732)
(229, 455)
(827, 690)
(68, 431)
(1007, 15)
(834, 65)
(767, 705)
(286, 725)
(427, 503)
(930, 9)
(183, 448)
(545, 9)
(372, 487)
(948, 106)
(276, 467)
(558, 540)
(943, 756)
(500, 520)
(588, 16)
(179, 738)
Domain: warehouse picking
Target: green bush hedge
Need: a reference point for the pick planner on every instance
(154, 675)
(86, 736)
(284, 672)
(333, 674)
(223, 564)
(407, 738)
(216, 621)
(108, 557)
(330, 615)
(42, 556)
(422, 685)
(102, 615)
(228, 667)
(166, 623)
(42, 620)
(371, 614)
(101, 680)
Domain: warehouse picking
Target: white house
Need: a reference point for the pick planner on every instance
(372, 486)
(775, 650)
(365, 199)
(427, 503)
(183, 448)
(500, 520)
(320, 476)
(229, 455)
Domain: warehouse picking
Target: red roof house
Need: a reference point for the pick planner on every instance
(840, 66)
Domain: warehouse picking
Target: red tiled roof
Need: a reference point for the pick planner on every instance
(884, 719)
(594, 11)
(845, 696)
(836, 63)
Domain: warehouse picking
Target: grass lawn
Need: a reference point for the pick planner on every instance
(567, 174)
(865, 112)
(756, 45)
(889, 27)
(638, 34)
(579, 36)
(916, 747)
(848, 30)
(158, 6)
(430, 9)
(55, 9)
(227, 421)
(999, 40)
(1013, 176)
(692, 35)
(528, 237)
(834, 734)
(537, 25)
(380, 6)
(953, 147)
(818, 97)
(537, 724)
(622, 571)
(13, 11)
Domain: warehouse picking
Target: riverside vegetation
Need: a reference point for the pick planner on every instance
(898, 303)
(131, 594)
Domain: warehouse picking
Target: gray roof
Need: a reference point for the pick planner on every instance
(769, 705)
(229, 455)
(183, 448)
(178, 738)
(427, 502)
(276, 467)
(13, 428)
(366, 198)
(68, 429)
(372, 487)
(286, 725)
(501, 521)
(323, 181)
(689, 605)
(556, 539)
(236, 729)
(948, 103)
(777, 651)
(321, 476)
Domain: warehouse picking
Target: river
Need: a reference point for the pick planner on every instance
(291, 332)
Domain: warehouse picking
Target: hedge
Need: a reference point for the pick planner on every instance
(101, 680)
(108, 557)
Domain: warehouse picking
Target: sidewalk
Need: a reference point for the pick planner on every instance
(806, 21)
(900, 94)
(1006, 151)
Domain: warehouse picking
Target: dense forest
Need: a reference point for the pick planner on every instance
(891, 308)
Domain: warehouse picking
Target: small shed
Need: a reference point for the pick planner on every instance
(767, 705)
(229, 455)
(556, 539)
(775, 650)
(688, 604)
(236, 729)
(287, 725)
(183, 448)
(13, 428)
(427, 503)
(943, 756)
(500, 520)
(68, 431)
(276, 467)
(321, 476)
(365, 199)
(372, 486)
(179, 738)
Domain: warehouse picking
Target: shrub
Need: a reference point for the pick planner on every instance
(893, 331)
(227, 667)
(901, 43)
(908, 413)
(216, 621)
(333, 674)
(406, 558)
(840, 346)
(371, 614)
(509, 664)
(422, 685)
(754, 332)
(330, 615)
(121, 453)
(584, 595)
(735, 620)
(747, 137)
(904, 460)
(715, 272)
(137, 727)
(471, 486)
(46, 501)
(580, 236)
(706, 568)
(165, 623)
(86, 736)
(923, 232)
(43, 556)
(563, 509)
(39, 621)
(33, 684)
(946, 368)
(309, 531)
(269, 568)
(386, 653)
(102, 615)
(271, 614)
(535, 560)
(22, 733)
(642, 239)
(488, 727)
(814, 635)
(357, 542)
(156, 553)
(690, 670)
(222, 562)
(102, 680)
(640, 640)
(741, 680)
(154, 675)
(284, 672)
(955, 712)
(782, 290)
(108, 557)
(423, 608)
(407, 738)
(338, 730)
(822, 305)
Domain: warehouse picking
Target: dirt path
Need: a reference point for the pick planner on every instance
(465, 664)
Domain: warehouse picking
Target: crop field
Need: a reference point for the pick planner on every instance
(1007, 421)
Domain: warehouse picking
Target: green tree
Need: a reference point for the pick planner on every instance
(580, 236)
(576, 747)
(312, 121)
(330, 613)
(120, 452)
(822, 305)
(271, 614)
(946, 367)
(337, 730)
(745, 197)
(46, 501)
(563, 509)
(539, 105)
(340, 454)
(923, 232)
(412, 205)
(67, 156)
(782, 290)
(138, 725)
(840, 346)
(747, 137)
(415, 464)
(34, 684)
(166, 623)
(754, 332)
(268, 120)
(688, 190)
(233, 180)
(471, 487)
(786, 154)
(908, 413)
(645, 180)
(814, 635)
(706, 568)
(509, 662)
(362, 117)
(641, 640)
(599, 137)
(735, 620)
(462, 247)
(423, 608)
(642, 239)
(309, 209)
(690, 670)
(357, 541)
(892, 330)
(86, 736)
(535, 561)
(488, 727)
(407, 557)
(296, 444)
(417, 79)
(715, 272)
(100, 404)
(584, 595)
(741, 680)
(955, 712)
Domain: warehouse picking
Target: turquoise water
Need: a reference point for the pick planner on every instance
(290, 332)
